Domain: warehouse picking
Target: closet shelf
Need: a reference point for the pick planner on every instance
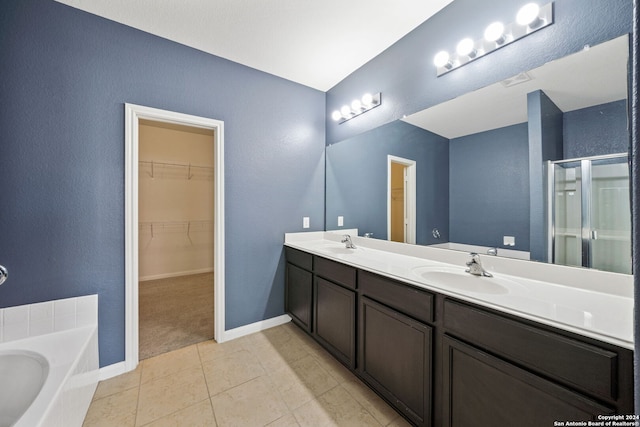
(188, 171)
(181, 227)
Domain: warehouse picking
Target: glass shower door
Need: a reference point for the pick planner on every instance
(567, 219)
(591, 221)
(610, 213)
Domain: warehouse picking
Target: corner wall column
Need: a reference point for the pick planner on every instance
(545, 143)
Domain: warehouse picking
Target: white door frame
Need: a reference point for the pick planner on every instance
(133, 114)
(410, 197)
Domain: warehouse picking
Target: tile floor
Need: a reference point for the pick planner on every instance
(278, 377)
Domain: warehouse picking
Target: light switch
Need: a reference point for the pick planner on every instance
(305, 222)
(509, 240)
(340, 221)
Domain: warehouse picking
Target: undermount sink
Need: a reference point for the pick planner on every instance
(337, 249)
(457, 278)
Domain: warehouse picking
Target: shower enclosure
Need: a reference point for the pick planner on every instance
(590, 214)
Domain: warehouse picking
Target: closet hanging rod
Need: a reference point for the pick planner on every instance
(184, 165)
(188, 166)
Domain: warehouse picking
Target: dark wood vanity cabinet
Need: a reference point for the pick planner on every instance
(335, 320)
(395, 359)
(482, 390)
(299, 287)
(334, 309)
(500, 370)
(320, 297)
(395, 344)
(442, 361)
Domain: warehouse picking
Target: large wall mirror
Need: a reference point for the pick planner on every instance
(533, 167)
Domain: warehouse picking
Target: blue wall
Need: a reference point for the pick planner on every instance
(357, 180)
(65, 77)
(598, 130)
(489, 185)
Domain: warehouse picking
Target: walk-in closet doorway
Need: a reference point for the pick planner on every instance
(174, 231)
(175, 236)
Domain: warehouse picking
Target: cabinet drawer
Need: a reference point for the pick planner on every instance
(590, 368)
(482, 390)
(404, 298)
(339, 273)
(299, 258)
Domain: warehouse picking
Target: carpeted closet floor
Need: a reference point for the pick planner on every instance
(175, 312)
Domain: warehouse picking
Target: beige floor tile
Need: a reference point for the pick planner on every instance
(198, 415)
(230, 371)
(270, 358)
(253, 403)
(377, 407)
(336, 369)
(171, 393)
(399, 422)
(287, 421)
(334, 408)
(117, 410)
(210, 350)
(170, 363)
(118, 384)
(273, 336)
(254, 380)
(300, 382)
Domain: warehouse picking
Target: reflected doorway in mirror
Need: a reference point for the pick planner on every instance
(401, 200)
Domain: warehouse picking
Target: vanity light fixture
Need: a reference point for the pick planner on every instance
(357, 107)
(530, 18)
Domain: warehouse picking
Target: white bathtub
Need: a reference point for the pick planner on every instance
(48, 380)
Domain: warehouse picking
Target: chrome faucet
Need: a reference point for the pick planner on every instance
(475, 266)
(346, 239)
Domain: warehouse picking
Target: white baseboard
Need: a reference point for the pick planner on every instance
(255, 327)
(176, 274)
(119, 368)
(111, 371)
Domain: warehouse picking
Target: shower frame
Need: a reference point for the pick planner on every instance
(587, 234)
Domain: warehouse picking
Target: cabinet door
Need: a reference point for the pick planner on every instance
(395, 359)
(335, 320)
(298, 293)
(482, 390)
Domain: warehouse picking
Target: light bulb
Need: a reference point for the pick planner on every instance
(345, 111)
(441, 59)
(465, 47)
(356, 105)
(367, 100)
(495, 33)
(336, 115)
(528, 14)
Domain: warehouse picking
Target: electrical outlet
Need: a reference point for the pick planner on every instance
(340, 221)
(305, 222)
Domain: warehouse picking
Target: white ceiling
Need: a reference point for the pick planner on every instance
(315, 43)
(594, 76)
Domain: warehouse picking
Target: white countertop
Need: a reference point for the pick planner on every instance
(592, 303)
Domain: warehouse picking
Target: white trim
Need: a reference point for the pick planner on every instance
(410, 214)
(174, 274)
(119, 368)
(257, 327)
(111, 371)
(133, 113)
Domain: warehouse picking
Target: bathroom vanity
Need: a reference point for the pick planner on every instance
(449, 349)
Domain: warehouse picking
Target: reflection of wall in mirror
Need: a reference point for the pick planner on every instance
(483, 192)
(357, 183)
